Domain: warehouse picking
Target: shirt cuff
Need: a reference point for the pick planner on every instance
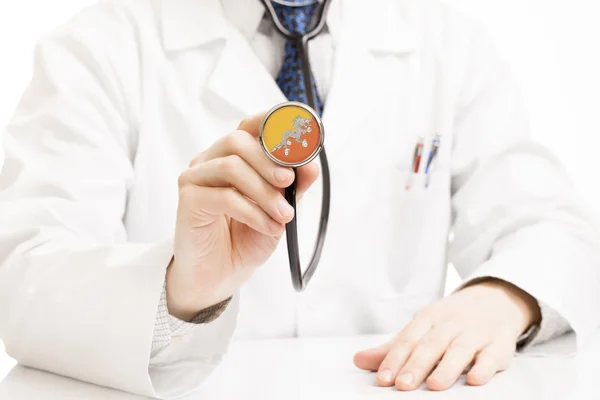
(551, 326)
(167, 326)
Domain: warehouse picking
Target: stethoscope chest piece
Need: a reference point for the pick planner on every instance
(292, 134)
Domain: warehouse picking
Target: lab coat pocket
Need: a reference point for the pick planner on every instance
(403, 270)
(385, 227)
(418, 216)
(388, 217)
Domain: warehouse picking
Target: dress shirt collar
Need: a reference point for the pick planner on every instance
(382, 25)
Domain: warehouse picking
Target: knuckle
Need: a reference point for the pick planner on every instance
(234, 139)
(184, 178)
(246, 121)
(230, 164)
(196, 160)
(187, 192)
(230, 141)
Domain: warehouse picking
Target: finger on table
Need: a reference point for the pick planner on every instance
(425, 355)
(458, 356)
(401, 350)
(492, 359)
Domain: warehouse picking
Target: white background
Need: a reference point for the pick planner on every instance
(553, 47)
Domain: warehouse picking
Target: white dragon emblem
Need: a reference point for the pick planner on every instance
(301, 126)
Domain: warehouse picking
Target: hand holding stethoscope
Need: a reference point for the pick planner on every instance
(231, 214)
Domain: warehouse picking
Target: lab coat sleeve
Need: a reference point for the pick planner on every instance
(516, 216)
(76, 297)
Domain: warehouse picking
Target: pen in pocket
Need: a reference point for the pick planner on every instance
(416, 162)
(435, 145)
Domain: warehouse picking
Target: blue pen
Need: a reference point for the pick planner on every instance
(435, 145)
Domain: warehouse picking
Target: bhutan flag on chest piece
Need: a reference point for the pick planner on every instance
(292, 134)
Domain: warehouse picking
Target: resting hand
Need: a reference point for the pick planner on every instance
(476, 326)
(230, 217)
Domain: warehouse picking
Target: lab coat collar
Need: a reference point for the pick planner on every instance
(387, 26)
(189, 23)
(246, 18)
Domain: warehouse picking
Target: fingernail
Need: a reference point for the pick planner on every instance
(386, 376)
(284, 208)
(283, 175)
(407, 378)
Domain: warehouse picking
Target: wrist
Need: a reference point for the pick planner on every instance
(526, 308)
(184, 299)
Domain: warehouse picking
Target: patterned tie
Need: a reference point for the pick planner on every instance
(290, 79)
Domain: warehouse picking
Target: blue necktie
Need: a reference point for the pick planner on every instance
(290, 79)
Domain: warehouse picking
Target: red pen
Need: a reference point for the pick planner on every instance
(416, 162)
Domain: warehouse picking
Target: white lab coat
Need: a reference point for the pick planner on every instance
(127, 93)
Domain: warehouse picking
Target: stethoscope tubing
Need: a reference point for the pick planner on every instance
(300, 280)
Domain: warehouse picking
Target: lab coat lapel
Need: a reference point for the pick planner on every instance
(241, 81)
(239, 84)
(364, 33)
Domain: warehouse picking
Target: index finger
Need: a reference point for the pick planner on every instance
(403, 346)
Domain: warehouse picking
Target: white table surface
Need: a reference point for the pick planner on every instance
(322, 368)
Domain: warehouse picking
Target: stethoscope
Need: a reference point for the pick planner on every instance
(302, 125)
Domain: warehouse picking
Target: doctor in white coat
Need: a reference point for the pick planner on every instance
(128, 260)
